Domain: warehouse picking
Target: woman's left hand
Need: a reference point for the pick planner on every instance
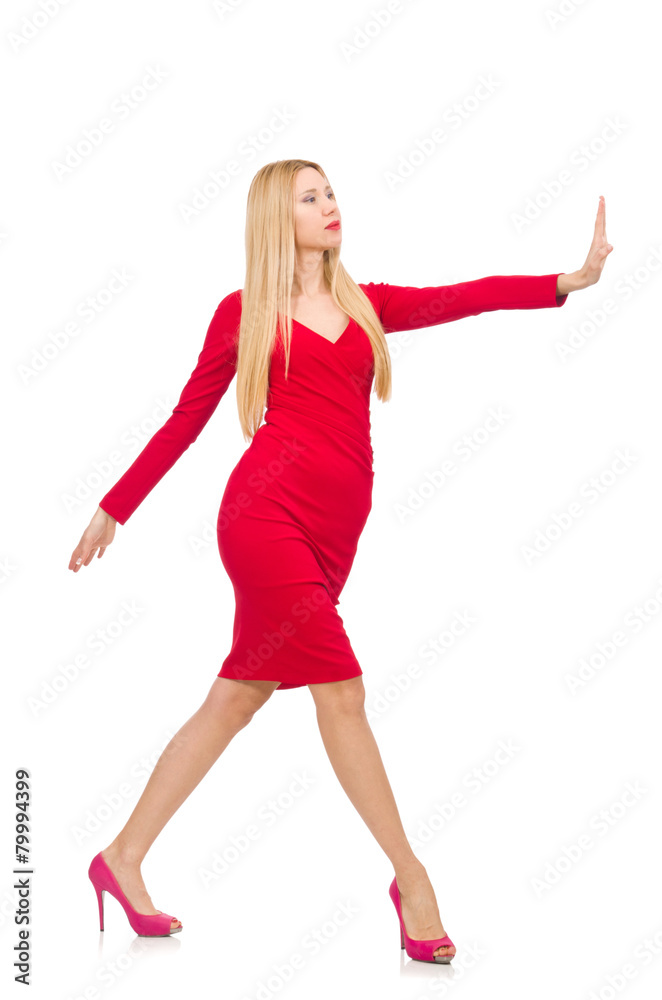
(591, 270)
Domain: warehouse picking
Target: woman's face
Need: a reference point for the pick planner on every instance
(314, 208)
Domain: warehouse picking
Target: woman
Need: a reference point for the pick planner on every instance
(306, 342)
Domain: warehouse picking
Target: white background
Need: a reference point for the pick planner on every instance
(526, 920)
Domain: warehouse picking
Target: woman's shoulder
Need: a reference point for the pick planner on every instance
(230, 305)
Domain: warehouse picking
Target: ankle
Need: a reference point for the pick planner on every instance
(123, 854)
(410, 873)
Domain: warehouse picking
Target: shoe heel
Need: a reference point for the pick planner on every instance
(99, 892)
(402, 938)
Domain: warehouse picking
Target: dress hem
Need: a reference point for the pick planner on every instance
(287, 685)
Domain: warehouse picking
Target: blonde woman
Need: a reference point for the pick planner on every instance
(306, 343)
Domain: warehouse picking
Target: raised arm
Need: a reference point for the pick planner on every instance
(404, 307)
(215, 369)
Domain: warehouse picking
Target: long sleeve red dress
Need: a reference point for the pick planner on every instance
(298, 499)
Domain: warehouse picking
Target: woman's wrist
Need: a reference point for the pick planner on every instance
(566, 283)
(107, 514)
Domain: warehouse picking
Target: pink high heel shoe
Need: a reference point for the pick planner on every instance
(422, 951)
(144, 924)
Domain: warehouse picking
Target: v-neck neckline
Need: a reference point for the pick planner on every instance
(321, 335)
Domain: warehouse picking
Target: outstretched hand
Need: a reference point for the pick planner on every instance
(98, 535)
(591, 270)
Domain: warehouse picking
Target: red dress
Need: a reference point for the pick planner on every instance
(296, 502)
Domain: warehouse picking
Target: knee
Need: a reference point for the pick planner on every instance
(234, 701)
(347, 696)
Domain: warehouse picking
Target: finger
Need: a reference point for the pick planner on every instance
(604, 215)
(76, 559)
(604, 218)
(599, 218)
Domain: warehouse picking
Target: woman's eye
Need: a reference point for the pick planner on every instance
(312, 197)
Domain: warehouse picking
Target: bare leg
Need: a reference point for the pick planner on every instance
(229, 706)
(355, 758)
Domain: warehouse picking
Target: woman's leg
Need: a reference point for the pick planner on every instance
(229, 706)
(355, 758)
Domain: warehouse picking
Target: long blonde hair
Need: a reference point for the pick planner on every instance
(265, 298)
